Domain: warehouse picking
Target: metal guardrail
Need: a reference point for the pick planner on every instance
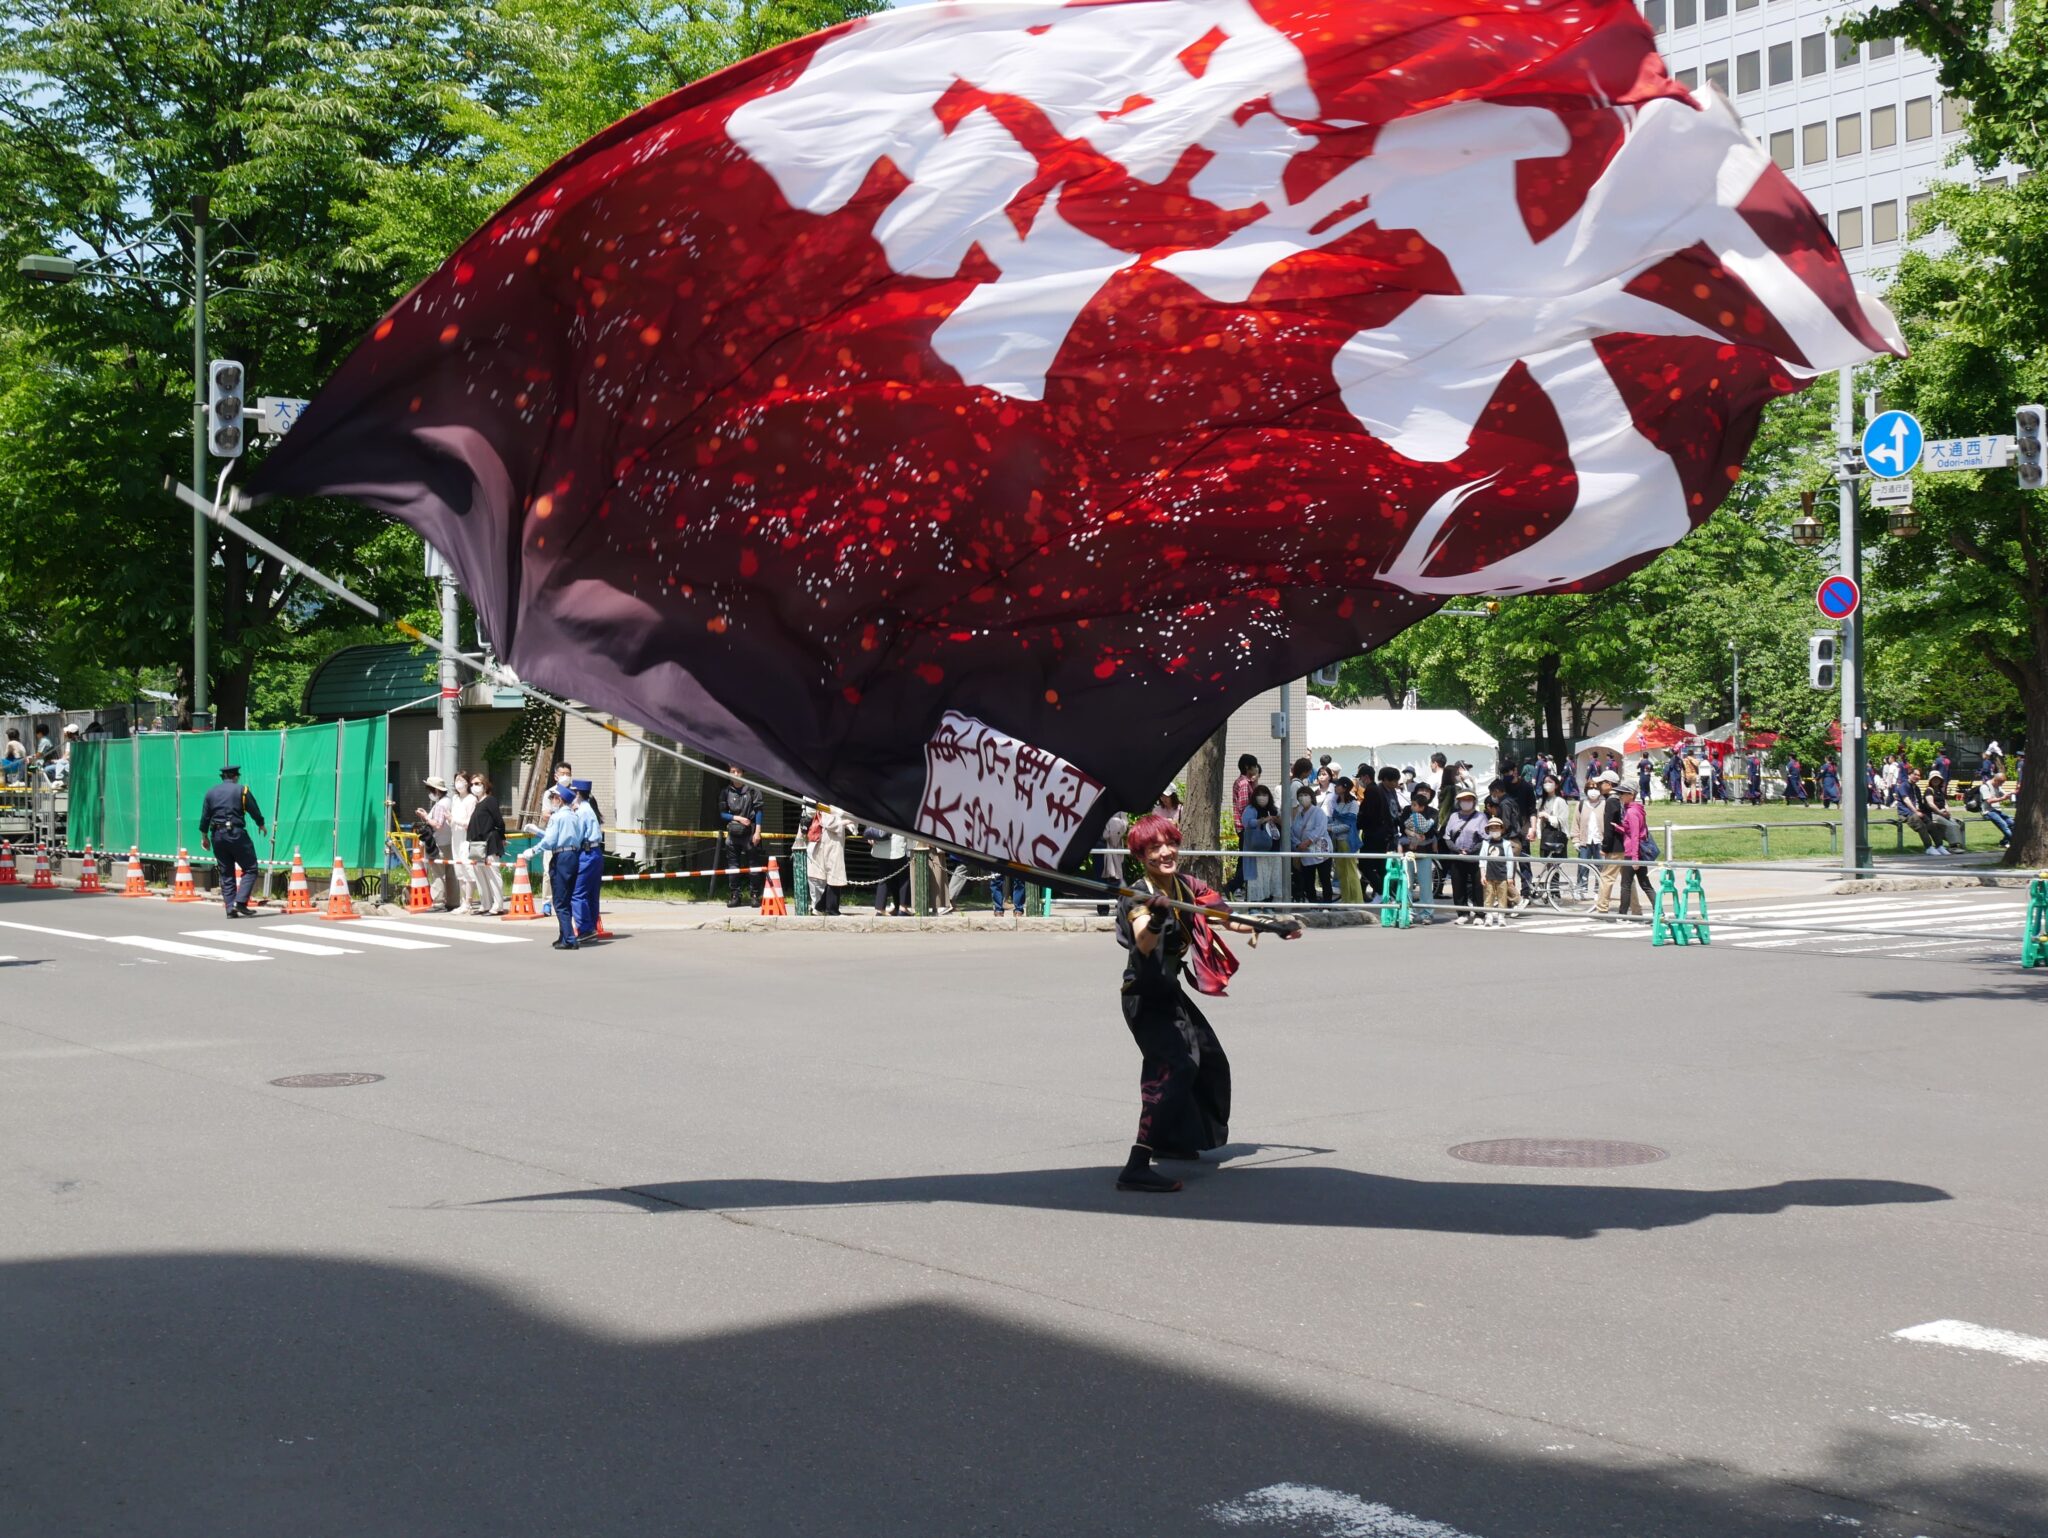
(1834, 830)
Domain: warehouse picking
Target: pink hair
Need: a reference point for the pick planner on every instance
(1149, 830)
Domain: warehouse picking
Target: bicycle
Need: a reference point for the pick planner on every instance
(1565, 885)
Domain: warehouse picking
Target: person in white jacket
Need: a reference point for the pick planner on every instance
(1587, 830)
(827, 869)
(461, 803)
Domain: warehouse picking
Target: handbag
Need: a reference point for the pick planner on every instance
(1647, 849)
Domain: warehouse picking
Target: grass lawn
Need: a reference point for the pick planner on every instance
(1737, 838)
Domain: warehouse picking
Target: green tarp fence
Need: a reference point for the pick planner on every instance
(320, 788)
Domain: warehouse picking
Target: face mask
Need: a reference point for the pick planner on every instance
(562, 780)
(462, 787)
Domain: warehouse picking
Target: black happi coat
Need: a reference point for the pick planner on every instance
(1184, 1083)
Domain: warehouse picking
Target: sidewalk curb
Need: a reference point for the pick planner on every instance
(1994, 879)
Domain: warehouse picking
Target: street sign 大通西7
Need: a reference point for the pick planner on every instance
(276, 413)
(1990, 452)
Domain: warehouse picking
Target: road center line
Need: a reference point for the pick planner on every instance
(1978, 1337)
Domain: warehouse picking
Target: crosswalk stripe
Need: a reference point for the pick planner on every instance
(177, 948)
(445, 932)
(45, 929)
(356, 936)
(269, 942)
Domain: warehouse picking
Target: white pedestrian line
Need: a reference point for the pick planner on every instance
(45, 929)
(269, 942)
(1311, 1509)
(355, 935)
(1978, 1337)
(179, 948)
(445, 932)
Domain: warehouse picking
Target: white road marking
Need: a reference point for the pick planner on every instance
(44, 929)
(445, 932)
(180, 948)
(270, 942)
(356, 935)
(1978, 1337)
(1327, 1514)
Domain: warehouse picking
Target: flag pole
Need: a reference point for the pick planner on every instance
(221, 510)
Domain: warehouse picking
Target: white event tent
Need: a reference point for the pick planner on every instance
(1403, 738)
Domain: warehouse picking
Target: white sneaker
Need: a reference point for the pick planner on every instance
(1496, 922)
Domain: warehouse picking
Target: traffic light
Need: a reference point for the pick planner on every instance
(1820, 661)
(224, 408)
(2030, 426)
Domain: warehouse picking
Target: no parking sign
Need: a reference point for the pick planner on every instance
(1838, 597)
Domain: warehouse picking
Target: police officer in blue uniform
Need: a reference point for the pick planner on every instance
(224, 818)
(590, 867)
(568, 832)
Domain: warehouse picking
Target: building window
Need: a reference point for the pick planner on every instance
(1746, 5)
(1813, 54)
(1715, 9)
(1684, 13)
(1849, 228)
(1913, 205)
(1954, 113)
(1992, 183)
(1717, 75)
(1653, 13)
(1920, 118)
(1884, 127)
(2001, 12)
(1689, 78)
(1883, 47)
(1781, 64)
(1749, 74)
(1884, 223)
(1781, 148)
(1846, 50)
(1849, 135)
(1813, 143)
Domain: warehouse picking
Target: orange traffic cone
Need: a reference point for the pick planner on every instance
(338, 904)
(522, 894)
(135, 885)
(183, 888)
(420, 897)
(7, 876)
(772, 904)
(42, 881)
(89, 876)
(298, 894)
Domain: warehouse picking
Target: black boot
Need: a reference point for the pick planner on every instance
(1138, 1174)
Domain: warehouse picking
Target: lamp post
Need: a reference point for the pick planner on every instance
(202, 713)
(63, 269)
(1855, 752)
(1735, 736)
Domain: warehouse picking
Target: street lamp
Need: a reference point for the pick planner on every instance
(1903, 522)
(1806, 529)
(46, 268)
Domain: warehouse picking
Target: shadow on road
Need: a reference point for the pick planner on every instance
(224, 1395)
(1311, 1196)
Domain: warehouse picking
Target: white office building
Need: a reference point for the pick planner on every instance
(1861, 128)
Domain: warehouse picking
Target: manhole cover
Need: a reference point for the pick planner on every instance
(1566, 1153)
(325, 1080)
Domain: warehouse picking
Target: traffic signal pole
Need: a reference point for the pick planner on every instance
(202, 713)
(1855, 752)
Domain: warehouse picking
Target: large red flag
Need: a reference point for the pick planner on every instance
(956, 413)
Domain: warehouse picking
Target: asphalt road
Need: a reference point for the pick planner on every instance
(762, 1234)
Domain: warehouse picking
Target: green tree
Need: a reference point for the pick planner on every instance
(1974, 307)
(346, 147)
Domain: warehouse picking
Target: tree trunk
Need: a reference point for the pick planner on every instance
(2030, 810)
(231, 696)
(1201, 816)
(1551, 694)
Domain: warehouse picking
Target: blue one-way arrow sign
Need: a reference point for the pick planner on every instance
(1891, 444)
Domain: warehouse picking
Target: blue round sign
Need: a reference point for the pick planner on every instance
(1891, 444)
(1838, 597)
